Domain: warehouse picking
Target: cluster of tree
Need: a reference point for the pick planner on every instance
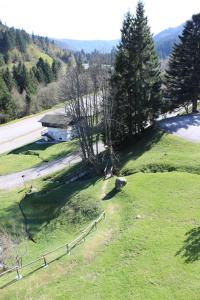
(95, 56)
(122, 105)
(183, 74)
(42, 42)
(121, 102)
(24, 81)
(83, 90)
(11, 38)
(136, 82)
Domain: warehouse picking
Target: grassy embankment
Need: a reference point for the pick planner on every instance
(154, 256)
(33, 155)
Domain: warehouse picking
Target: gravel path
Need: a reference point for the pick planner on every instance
(187, 127)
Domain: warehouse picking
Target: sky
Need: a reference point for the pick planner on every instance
(91, 19)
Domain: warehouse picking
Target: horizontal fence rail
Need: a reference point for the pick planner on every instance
(68, 247)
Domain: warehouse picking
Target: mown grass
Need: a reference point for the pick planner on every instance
(33, 155)
(148, 247)
(161, 152)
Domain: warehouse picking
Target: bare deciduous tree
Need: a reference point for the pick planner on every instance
(13, 247)
(89, 104)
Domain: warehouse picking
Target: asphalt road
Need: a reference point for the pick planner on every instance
(26, 131)
(16, 180)
(187, 127)
(22, 132)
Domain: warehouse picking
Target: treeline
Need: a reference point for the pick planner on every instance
(182, 84)
(27, 83)
(95, 56)
(20, 84)
(11, 38)
(136, 82)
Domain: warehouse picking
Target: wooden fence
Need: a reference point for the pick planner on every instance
(67, 247)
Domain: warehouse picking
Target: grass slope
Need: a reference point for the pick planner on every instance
(33, 155)
(152, 257)
(161, 152)
(30, 58)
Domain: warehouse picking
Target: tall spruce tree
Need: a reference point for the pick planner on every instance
(136, 83)
(183, 75)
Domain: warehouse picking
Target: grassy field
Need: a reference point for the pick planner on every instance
(147, 248)
(33, 155)
(161, 152)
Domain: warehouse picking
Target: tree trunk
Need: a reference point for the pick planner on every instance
(194, 106)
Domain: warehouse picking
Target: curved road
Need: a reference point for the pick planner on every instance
(15, 179)
(187, 127)
(25, 131)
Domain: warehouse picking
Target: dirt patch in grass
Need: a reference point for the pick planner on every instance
(96, 243)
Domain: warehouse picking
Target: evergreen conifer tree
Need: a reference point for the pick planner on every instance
(183, 75)
(136, 83)
(7, 77)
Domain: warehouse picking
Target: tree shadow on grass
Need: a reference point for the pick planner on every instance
(191, 246)
(30, 147)
(139, 145)
(40, 207)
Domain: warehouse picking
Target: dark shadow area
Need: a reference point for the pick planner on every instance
(47, 204)
(173, 124)
(36, 149)
(42, 206)
(30, 147)
(139, 145)
(190, 251)
(111, 194)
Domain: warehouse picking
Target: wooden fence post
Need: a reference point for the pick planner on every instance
(67, 249)
(45, 262)
(19, 276)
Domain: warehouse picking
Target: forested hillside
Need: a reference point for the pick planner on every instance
(29, 70)
(165, 40)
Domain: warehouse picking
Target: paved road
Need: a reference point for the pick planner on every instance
(187, 127)
(22, 132)
(15, 179)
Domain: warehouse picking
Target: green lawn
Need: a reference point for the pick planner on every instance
(33, 155)
(161, 152)
(154, 256)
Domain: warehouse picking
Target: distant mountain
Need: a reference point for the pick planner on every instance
(164, 42)
(104, 46)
